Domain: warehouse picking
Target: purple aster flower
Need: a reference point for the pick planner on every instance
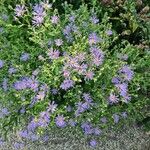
(97, 61)
(38, 10)
(40, 95)
(128, 73)
(45, 115)
(93, 143)
(18, 145)
(44, 119)
(19, 10)
(67, 30)
(12, 70)
(32, 125)
(98, 55)
(38, 15)
(96, 52)
(113, 99)
(52, 107)
(19, 85)
(53, 54)
(83, 106)
(37, 20)
(81, 69)
(87, 128)
(23, 134)
(73, 62)
(94, 39)
(116, 80)
(124, 114)
(116, 118)
(5, 111)
(87, 97)
(66, 73)
(72, 18)
(33, 84)
(81, 57)
(54, 19)
(86, 105)
(26, 82)
(60, 121)
(103, 120)
(89, 75)
(1, 63)
(67, 84)
(80, 108)
(24, 57)
(54, 91)
(109, 32)
(94, 19)
(123, 89)
(58, 42)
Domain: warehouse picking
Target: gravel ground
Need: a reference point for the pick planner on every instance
(133, 138)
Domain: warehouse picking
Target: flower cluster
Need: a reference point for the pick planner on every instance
(65, 71)
(83, 106)
(89, 129)
(38, 15)
(26, 82)
(125, 74)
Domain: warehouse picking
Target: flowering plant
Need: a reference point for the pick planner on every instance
(64, 70)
